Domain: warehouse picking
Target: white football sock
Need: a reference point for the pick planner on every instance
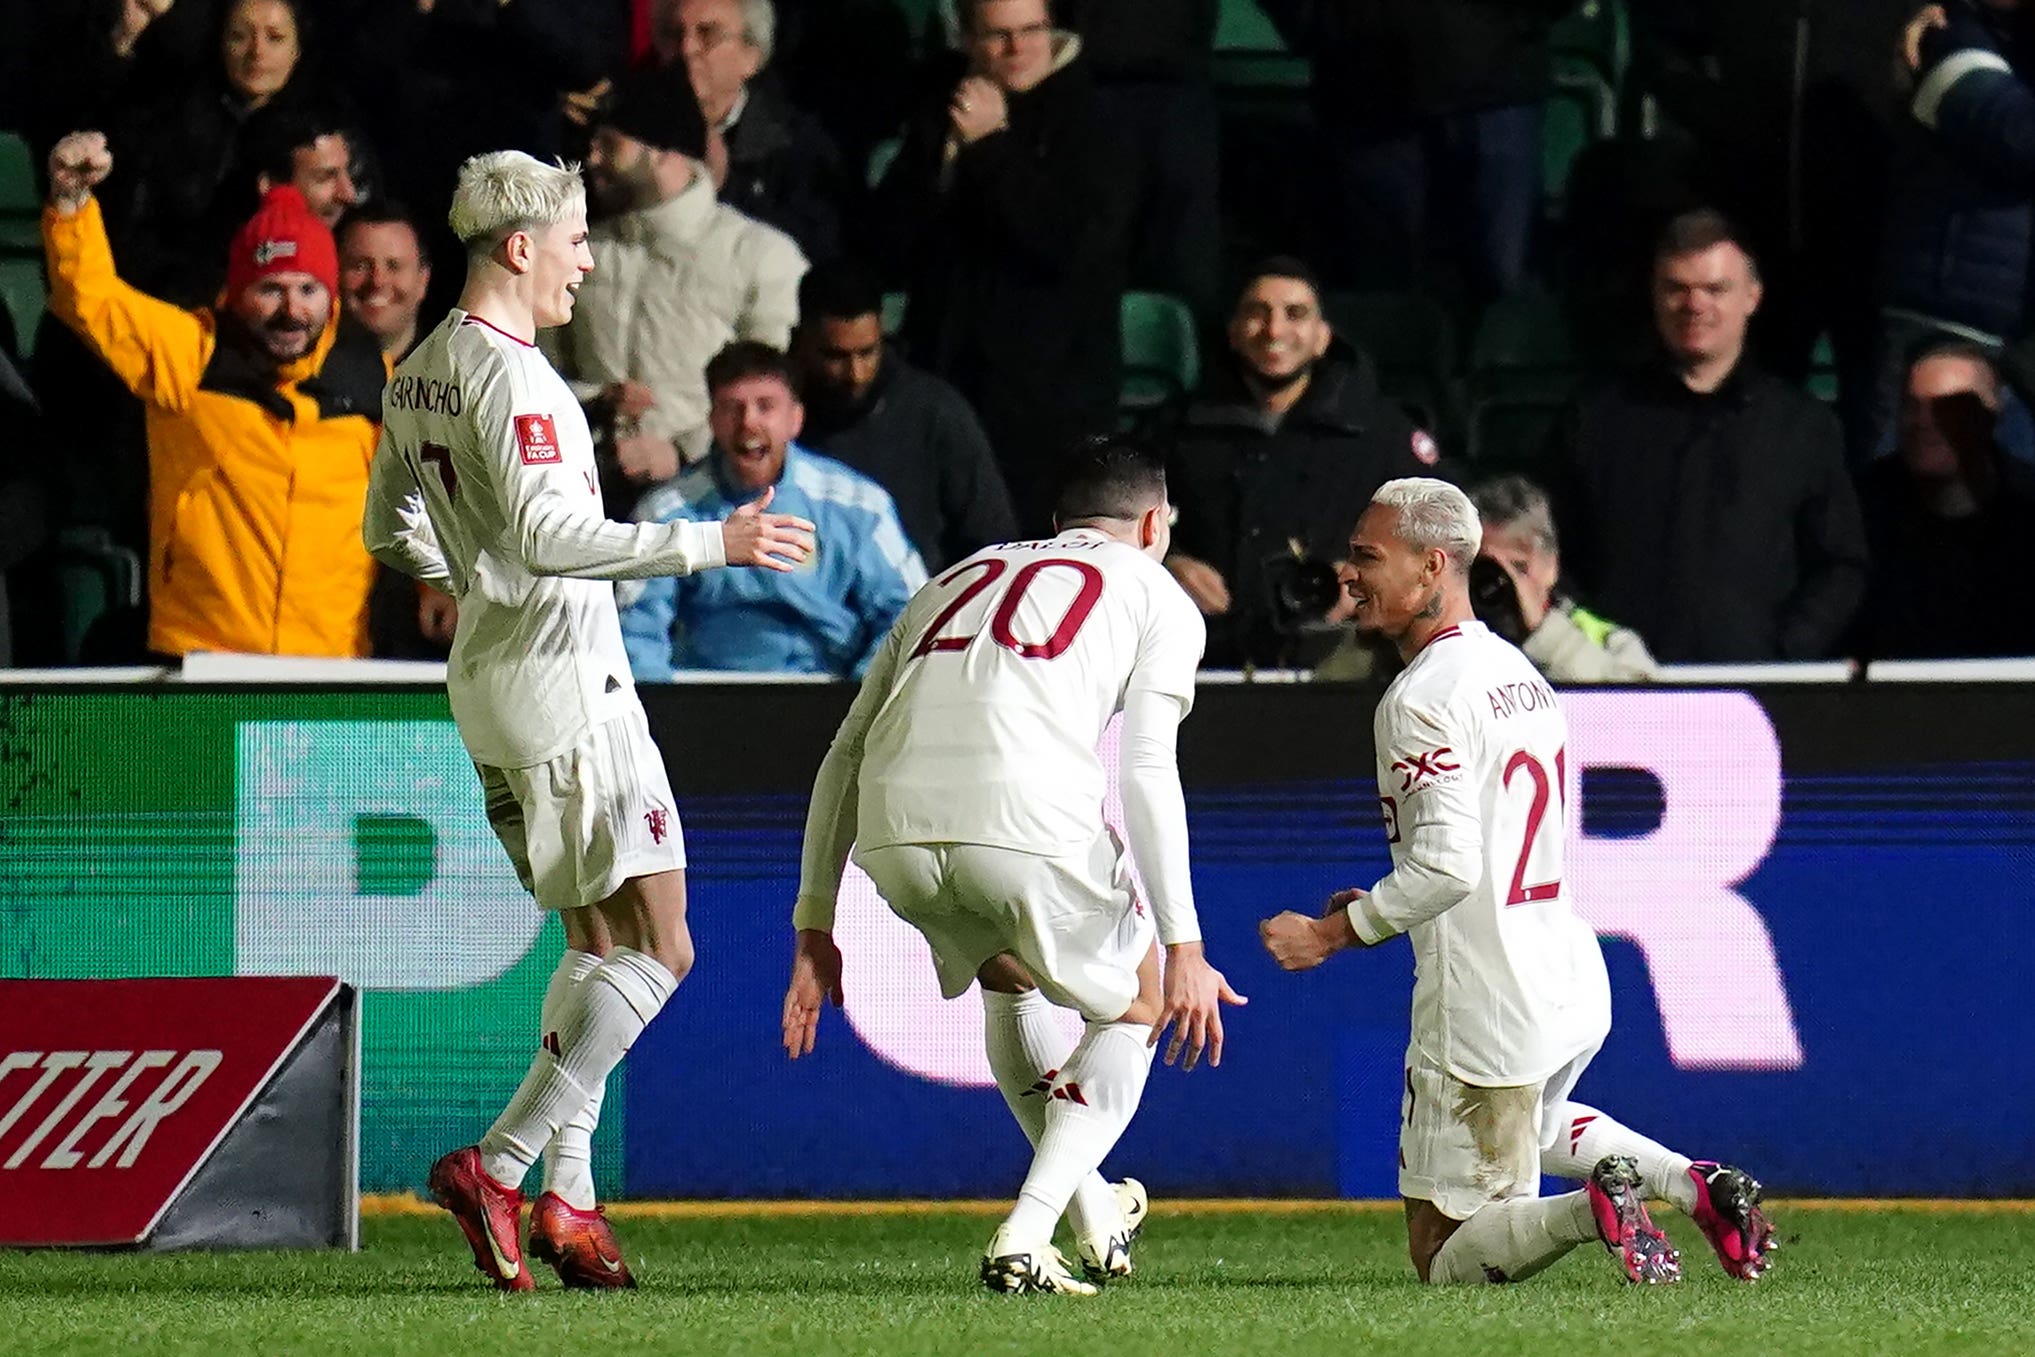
(1587, 1135)
(1026, 1047)
(568, 1159)
(1509, 1241)
(1091, 1103)
(603, 1017)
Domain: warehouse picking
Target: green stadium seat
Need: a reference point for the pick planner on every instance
(1523, 369)
(1242, 26)
(920, 14)
(1411, 338)
(23, 298)
(94, 575)
(1600, 32)
(1161, 355)
(1822, 382)
(880, 157)
(1524, 336)
(20, 204)
(1250, 54)
(1509, 435)
(893, 312)
(1581, 109)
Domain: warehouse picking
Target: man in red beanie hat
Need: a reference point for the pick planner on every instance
(262, 417)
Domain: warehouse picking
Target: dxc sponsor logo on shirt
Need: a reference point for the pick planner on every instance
(1421, 768)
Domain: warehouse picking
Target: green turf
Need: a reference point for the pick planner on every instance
(1887, 1282)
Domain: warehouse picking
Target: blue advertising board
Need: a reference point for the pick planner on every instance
(1816, 908)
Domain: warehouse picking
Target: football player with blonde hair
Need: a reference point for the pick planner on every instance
(484, 486)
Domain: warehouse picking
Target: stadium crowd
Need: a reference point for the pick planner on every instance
(1724, 312)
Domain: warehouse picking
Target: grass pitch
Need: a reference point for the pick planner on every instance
(1891, 1279)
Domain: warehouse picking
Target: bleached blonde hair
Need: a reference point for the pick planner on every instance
(505, 191)
(1434, 515)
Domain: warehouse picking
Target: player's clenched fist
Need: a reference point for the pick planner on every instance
(773, 541)
(1299, 943)
(77, 165)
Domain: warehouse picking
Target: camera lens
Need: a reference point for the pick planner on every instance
(1309, 590)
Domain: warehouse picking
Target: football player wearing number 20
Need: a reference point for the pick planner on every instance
(1510, 997)
(483, 485)
(966, 779)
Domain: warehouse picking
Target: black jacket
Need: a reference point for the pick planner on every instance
(1013, 252)
(918, 439)
(784, 170)
(1247, 492)
(22, 500)
(1723, 528)
(1135, 40)
(1959, 220)
(1948, 587)
(1380, 65)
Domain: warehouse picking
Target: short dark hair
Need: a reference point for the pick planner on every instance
(966, 10)
(746, 358)
(385, 212)
(1280, 266)
(275, 135)
(1941, 344)
(843, 289)
(1700, 229)
(1116, 476)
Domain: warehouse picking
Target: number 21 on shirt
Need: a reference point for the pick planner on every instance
(1536, 877)
(986, 574)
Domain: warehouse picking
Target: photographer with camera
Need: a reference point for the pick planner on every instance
(1515, 587)
(1272, 460)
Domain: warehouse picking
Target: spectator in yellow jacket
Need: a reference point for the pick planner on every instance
(262, 418)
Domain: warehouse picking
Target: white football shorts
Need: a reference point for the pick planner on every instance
(1463, 1147)
(1074, 921)
(581, 824)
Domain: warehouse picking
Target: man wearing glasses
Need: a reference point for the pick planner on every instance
(1002, 216)
(782, 167)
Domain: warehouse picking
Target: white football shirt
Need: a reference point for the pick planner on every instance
(484, 485)
(979, 718)
(1509, 985)
(1009, 666)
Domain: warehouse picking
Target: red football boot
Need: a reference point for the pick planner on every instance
(489, 1214)
(579, 1244)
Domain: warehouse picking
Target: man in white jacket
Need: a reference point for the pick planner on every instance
(1565, 641)
(682, 275)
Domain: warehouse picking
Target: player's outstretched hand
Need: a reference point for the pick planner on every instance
(815, 978)
(773, 541)
(1194, 995)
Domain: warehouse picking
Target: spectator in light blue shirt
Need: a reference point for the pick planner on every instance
(826, 617)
